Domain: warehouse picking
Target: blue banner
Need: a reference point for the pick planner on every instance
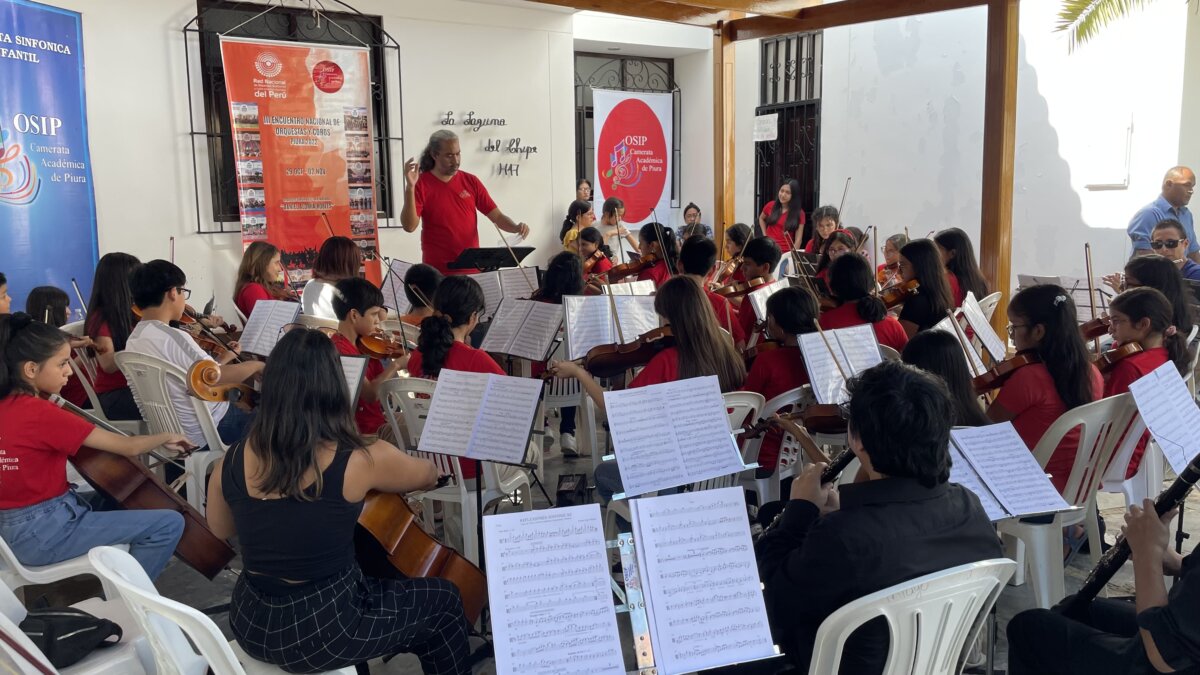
(47, 208)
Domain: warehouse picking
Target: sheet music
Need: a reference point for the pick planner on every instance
(974, 362)
(456, 400)
(704, 598)
(492, 295)
(982, 328)
(671, 434)
(552, 610)
(589, 320)
(505, 419)
(855, 348)
(643, 287)
(354, 367)
(758, 298)
(541, 328)
(265, 322)
(636, 315)
(1027, 280)
(1170, 413)
(859, 346)
(1006, 465)
(393, 287)
(518, 282)
(964, 474)
(505, 326)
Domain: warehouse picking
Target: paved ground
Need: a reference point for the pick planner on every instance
(184, 584)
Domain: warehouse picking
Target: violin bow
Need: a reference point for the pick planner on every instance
(662, 247)
(516, 260)
(612, 304)
(213, 336)
(79, 295)
(845, 189)
(962, 342)
(79, 412)
(328, 227)
(172, 247)
(800, 271)
(1087, 254)
(829, 347)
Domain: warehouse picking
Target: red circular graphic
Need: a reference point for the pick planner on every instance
(328, 77)
(631, 158)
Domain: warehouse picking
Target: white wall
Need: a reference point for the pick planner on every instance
(1189, 140)
(502, 61)
(902, 112)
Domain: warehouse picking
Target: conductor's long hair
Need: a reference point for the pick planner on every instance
(304, 405)
(703, 349)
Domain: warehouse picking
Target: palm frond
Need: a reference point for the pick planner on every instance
(1084, 19)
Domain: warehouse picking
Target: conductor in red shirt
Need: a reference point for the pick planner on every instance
(445, 200)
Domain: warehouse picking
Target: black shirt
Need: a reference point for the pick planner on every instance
(886, 531)
(918, 309)
(1175, 627)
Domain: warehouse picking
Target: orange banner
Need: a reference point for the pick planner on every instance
(301, 119)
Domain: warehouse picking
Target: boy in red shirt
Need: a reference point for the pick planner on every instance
(696, 259)
(358, 305)
(759, 260)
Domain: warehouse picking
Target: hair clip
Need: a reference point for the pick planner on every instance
(1170, 331)
(1059, 299)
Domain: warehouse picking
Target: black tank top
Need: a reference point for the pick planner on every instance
(290, 538)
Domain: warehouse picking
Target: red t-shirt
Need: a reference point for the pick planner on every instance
(601, 266)
(1127, 371)
(465, 358)
(775, 230)
(36, 441)
(249, 296)
(447, 212)
(1031, 397)
(773, 373)
(726, 314)
(663, 367)
(658, 273)
(887, 330)
(106, 382)
(956, 291)
(369, 414)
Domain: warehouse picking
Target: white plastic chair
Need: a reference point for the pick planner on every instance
(310, 321)
(767, 489)
(242, 318)
(130, 656)
(1146, 482)
(411, 398)
(169, 625)
(888, 353)
(931, 619)
(85, 366)
(15, 574)
(148, 378)
(1101, 427)
(988, 304)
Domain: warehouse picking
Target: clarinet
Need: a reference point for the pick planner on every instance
(830, 474)
(1112, 561)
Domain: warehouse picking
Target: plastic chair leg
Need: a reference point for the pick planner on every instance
(1045, 564)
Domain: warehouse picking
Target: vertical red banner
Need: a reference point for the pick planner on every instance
(301, 118)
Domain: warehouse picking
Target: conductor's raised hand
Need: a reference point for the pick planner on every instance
(410, 172)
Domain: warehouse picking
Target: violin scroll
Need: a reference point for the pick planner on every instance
(204, 379)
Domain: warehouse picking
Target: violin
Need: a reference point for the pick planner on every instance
(1106, 361)
(823, 418)
(998, 375)
(741, 288)
(728, 270)
(591, 261)
(388, 542)
(896, 295)
(383, 346)
(888, 273)
(623, 270)
(613, 359)
(751, 353)
(1094, 328)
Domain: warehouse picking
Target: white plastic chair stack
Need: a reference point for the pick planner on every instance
(410, 398)
(148, 378)
(169, 625)
(931, 619)
(1101, 427)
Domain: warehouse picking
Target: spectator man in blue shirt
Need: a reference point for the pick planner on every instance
(1178, 185)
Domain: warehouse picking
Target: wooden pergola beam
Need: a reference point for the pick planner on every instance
(842, 13)
(999, 150)
(781, 8)
(660, 10)
(723, 131)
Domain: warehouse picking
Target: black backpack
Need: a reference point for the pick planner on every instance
(67, 635)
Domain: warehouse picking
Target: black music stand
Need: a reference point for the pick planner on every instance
(489, 259)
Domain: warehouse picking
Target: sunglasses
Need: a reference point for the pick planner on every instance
(1165, 243)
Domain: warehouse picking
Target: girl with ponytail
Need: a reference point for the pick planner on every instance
(659, 241)
(579, 216)
(851, 283)
(42, 519)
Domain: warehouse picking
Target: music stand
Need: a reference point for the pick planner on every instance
(489, 259)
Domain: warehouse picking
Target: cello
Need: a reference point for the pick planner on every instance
(134, 486)
(388, 541)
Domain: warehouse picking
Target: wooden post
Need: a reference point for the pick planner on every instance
(723, 142)
(999, 146)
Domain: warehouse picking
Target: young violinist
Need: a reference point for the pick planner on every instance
(42, 519)
(623, 241)
(920, 261)
(109, 323)
(51, 305)
(339, 258)
(696, 259)
(940, 353)
(1042, 322)
(5, 298)
(1142, 316)
(564, 276)
(833, 545)
(260, 277)
(839, 244)
(358, 306)
(657, 241)
(420, 284)
(700, 349)
(736, 237)
(759, 260)
(963, 271)
(782, 218)
(850, 284)
(888, 272)
(826, 221)
(292, 493)
(790, 312)
(158, 290)
(579, 216)
(1161, 274)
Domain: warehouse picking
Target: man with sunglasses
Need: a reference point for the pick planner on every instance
(902, 519)
(1170, 241)
(159, 292)
(1172, 204)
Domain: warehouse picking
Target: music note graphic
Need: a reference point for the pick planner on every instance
(19, 182)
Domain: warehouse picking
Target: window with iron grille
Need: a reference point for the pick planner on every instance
(624, 73)
(791, 69)
(290, 24)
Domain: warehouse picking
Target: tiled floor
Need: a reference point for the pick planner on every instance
(184, 584)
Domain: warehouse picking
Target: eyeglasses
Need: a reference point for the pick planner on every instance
(1013, 326)
(1165, 243)
(187, 292)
